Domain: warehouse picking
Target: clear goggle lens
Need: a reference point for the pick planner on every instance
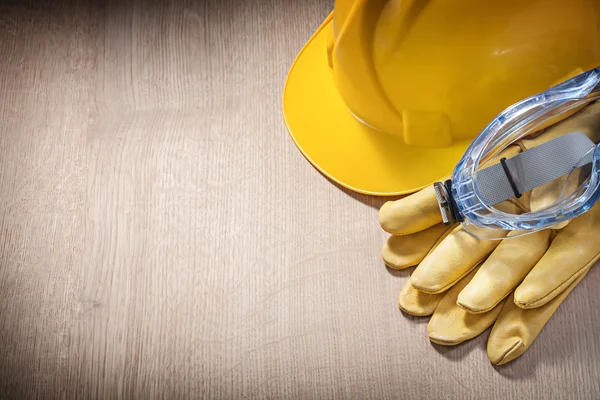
(536, 166)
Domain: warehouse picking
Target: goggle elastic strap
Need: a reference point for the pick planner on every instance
(520, 174)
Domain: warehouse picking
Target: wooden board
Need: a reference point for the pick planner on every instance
(162, 237)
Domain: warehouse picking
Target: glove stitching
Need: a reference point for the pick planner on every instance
(435, 244)
(399, 233)
(559, 289)
(436, 291)
(412, 313)
(508, 351)
(446, 342)
(398, 268)
(479, 311)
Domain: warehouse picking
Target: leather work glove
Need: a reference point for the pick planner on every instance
(468, 284)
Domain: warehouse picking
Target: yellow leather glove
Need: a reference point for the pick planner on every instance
(467, 284)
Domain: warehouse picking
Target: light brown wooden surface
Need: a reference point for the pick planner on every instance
(161, 236)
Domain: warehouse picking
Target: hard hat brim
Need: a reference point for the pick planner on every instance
(344, 149)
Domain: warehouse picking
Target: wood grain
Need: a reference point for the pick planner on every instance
(161, 236)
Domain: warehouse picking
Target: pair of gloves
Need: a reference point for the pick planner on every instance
(515, 285)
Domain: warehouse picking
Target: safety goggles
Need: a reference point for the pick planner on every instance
(570, 162)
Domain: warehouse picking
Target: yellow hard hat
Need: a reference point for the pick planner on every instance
(386, 95)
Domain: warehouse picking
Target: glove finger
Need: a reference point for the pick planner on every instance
(516, 328)
(451, 324)
(452, 259)
(417, 303)
(401, 252)
(572, 251)
(411, 214)
(504, 269)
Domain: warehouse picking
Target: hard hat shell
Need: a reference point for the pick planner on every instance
(386, 95)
